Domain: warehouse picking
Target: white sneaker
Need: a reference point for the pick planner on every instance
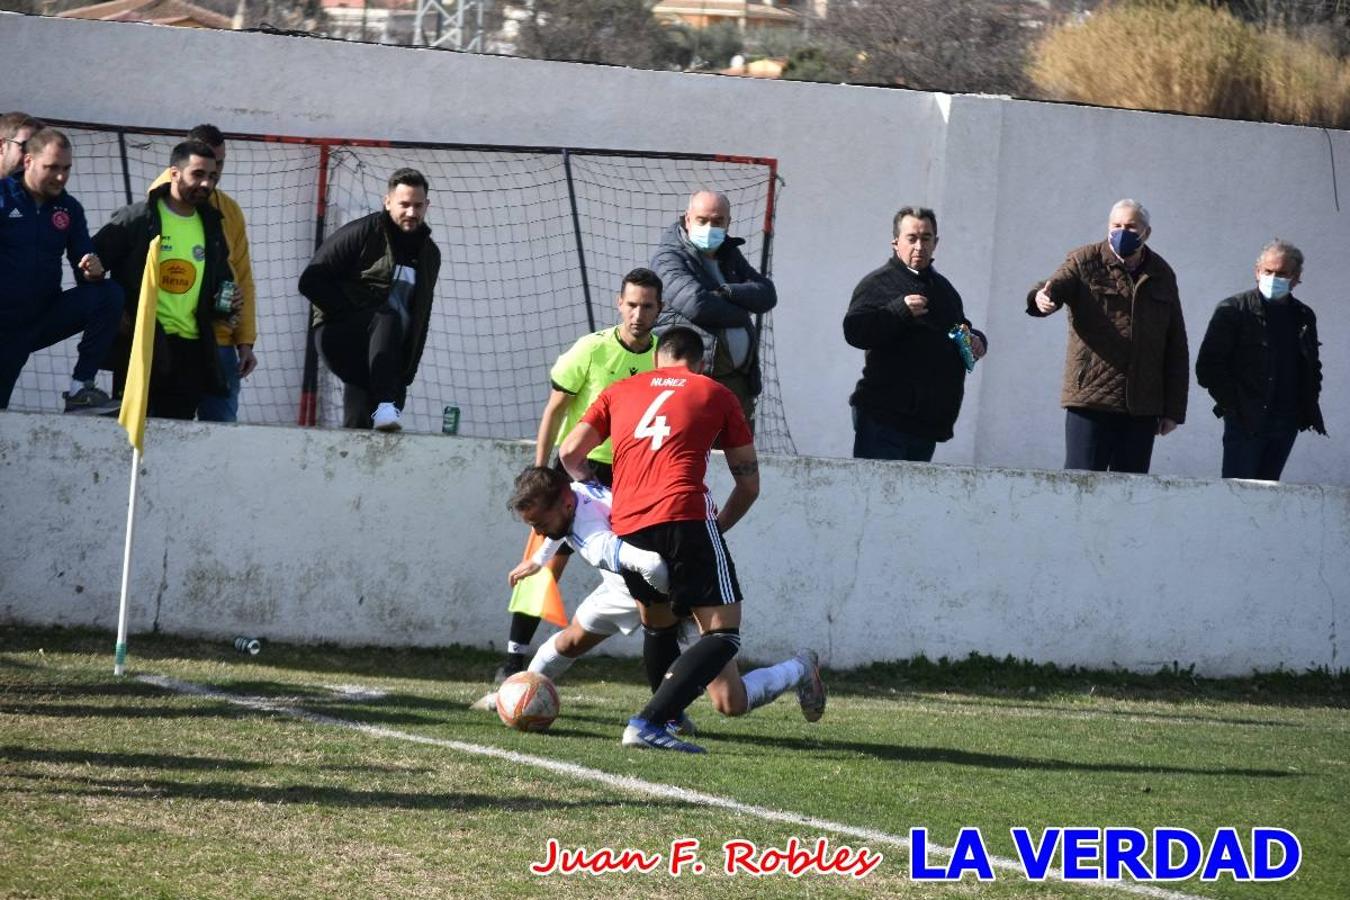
(487, 702)
(386, 418)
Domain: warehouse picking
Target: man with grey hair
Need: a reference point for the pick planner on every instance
(1259, 362)
(1126, 370)
(709, 285)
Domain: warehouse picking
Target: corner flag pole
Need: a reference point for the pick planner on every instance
(120, 655)
(135, 405)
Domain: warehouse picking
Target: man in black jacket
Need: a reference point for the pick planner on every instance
(1259, 362)
(371, 283)
(914, 373)
(196, 286)
(709, 285)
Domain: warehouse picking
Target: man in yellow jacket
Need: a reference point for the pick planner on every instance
(236, 335)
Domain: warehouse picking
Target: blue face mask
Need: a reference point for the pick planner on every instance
(1273, 287)
(1125, 242)
(707, 237)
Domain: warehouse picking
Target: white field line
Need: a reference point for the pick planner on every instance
(637, 785)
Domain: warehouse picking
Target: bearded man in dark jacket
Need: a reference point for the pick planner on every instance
(371, 283)
(914, 372)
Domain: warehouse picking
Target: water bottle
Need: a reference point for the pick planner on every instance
(450, 420)
(250, 645)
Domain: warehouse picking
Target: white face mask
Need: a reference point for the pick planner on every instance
(1273, 287)
(707, 237)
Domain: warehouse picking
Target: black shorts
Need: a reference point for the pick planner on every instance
(604, 473)
(701, 570)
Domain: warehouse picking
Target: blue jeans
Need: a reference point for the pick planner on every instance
(214, 408)
(873, 440)
(94, 308)
(1261, 455)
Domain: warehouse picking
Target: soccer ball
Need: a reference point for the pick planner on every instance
(527, 701)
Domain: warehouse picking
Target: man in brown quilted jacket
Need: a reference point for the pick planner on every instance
(1126, 372)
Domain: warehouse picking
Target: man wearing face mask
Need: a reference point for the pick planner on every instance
(1126, 370)
(914, 376)
(1259, 362)
(710, 286)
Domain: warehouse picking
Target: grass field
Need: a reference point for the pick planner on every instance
(124, 788)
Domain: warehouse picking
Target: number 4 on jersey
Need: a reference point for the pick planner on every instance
(653, 426)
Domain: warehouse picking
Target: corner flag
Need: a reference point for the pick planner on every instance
(538, 595)
(136, 396)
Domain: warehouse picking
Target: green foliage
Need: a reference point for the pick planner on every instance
(618, 32)
(714, 46)
(817, 63)
(940, 45)
(1186, 56)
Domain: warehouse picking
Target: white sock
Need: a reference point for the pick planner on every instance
(76, 386)
(764, 685)
(548, 661)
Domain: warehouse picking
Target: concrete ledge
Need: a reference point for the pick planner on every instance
(308, 536)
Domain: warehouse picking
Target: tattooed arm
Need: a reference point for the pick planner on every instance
(744, 467)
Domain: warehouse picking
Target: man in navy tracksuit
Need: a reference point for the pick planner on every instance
(39, 222)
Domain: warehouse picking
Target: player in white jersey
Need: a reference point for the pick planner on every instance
(579, 515)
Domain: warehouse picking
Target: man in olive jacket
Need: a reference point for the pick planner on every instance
(1259, 361)
(371, 284)
(1126, 371)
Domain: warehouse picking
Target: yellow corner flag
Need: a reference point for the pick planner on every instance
(538, 595)
(136, 396)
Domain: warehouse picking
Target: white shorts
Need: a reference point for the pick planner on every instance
(608, 610)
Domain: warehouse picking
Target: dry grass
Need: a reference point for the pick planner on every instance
(1186, 56)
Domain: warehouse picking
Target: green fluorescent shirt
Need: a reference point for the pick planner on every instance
(182, 260)
(592, 364)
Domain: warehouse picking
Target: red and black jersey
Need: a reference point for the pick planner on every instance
(663, 424)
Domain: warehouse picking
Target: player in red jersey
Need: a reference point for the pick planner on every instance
(663, 425)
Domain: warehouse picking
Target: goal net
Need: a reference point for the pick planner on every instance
(534, 243)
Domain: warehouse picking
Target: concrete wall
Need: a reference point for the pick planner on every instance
(1016, 185)
(305, 535)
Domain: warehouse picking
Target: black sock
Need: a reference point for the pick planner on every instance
(660, 648)
(523, 627)
(691, 673)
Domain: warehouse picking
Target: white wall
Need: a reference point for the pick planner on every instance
(309, 535)
(1016, 185)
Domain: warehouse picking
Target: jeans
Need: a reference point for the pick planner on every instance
(94, 308)
(214, 408)
(1261, 455)
(873, 440)
(1101, 441)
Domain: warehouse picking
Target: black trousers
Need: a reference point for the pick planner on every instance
(178, 377)
(366, 351)
(1108, 442)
